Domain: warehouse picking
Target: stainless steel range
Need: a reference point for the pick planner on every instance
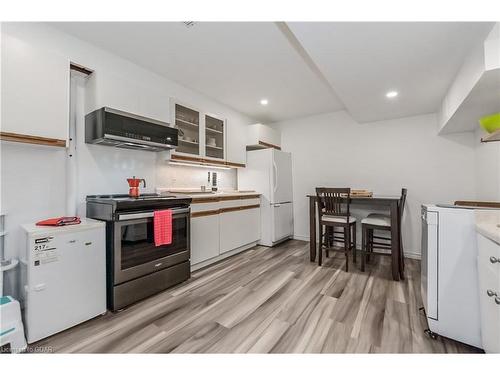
(136, 268)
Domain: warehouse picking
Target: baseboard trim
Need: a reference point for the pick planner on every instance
(408, 254)
(301, 238)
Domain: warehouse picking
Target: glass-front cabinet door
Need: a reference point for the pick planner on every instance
(187, 120)
(214, 137)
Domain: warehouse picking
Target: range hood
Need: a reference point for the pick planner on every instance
(112, 127)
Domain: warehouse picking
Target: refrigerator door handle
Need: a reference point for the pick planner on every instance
(275, 176)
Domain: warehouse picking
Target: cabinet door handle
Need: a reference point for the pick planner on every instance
(491, 293)
(494, 260)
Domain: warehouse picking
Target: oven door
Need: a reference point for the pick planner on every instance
(135, 253)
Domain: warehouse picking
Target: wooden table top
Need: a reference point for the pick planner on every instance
(376, 199)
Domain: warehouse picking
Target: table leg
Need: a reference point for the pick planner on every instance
(312, 228)
(395, 240)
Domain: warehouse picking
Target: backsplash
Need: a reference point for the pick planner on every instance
(181, 176)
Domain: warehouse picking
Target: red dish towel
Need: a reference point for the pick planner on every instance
(162, 221)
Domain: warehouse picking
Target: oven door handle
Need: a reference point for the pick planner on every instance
(143, 215)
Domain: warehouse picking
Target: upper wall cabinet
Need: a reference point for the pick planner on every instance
(201, 134)
(187, 120)
(263, 136)
(236, 143)
(215, 140)
(35, 90)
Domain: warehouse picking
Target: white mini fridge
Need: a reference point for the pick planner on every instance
(269, 172)
(63, 276)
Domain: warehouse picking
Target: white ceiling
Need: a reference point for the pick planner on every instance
(363, 61)
(234, 63)
(303, 69)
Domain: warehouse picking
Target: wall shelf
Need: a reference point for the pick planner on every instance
(214, 147)
(214, 131)
(32, 139)
(187, 123)
(493, 137)
(188, 142)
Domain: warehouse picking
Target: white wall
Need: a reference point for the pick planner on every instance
(33, 178)
(487, 168)
(333, 150)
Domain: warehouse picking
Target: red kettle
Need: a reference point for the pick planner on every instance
(133, 183)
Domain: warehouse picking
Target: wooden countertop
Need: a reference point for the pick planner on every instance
(217, 197)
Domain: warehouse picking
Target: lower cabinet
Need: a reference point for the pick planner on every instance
(239, 228)
(204, 238)
(217, 228)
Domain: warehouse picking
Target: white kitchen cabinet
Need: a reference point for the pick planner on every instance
(35, 90)
(201, 134)
(191, 135)
(204, 238)
(239, 228)
(236, 143)
(215, 137)
(260, 135)
(489, 292)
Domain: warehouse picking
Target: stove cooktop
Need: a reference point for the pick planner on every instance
(104, 207)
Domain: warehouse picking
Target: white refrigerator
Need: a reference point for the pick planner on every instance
(269, 172)
(63, 275)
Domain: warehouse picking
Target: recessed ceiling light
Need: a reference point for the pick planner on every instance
(264, 101)
(391, 94)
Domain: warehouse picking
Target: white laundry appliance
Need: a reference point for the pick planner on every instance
(449, 280)
(269, 172)
(63, 276)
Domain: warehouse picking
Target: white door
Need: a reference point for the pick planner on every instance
(204, 238)
(239, 228)
(281, 177)
(282, 214)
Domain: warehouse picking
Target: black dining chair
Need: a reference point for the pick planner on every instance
(334, 212)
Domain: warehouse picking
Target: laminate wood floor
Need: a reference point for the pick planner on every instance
(270, 300)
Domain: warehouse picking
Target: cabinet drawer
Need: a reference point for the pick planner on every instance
(202, 207)
(239, 202)
(488, 256)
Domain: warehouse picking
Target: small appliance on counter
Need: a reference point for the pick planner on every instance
(137, 268)
(63, 276)
(449, 279)
(214, 181)
(133, 184)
